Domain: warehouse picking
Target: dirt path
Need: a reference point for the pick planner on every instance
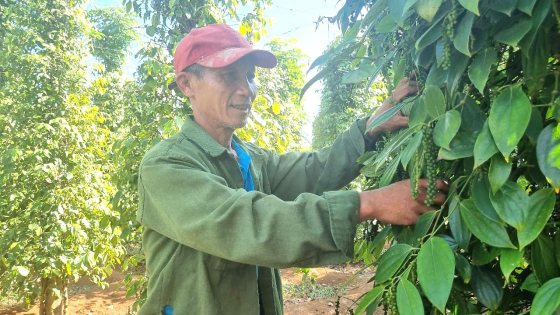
(300, 298)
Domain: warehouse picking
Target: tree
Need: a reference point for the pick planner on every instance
(341, 102)
(57, 221)
(277, 117)
(487, 121)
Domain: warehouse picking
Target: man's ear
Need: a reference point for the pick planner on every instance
(185, 82)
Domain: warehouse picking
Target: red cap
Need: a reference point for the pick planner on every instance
(216, 46)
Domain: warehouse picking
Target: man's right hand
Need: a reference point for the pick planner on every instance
(393, 204)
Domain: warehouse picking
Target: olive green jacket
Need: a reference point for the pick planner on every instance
(203, 234)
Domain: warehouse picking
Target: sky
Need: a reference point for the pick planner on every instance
(291, 19)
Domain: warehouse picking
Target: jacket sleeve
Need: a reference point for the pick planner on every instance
(196, 208)
(328, 169)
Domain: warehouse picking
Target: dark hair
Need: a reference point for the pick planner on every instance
(195, 69)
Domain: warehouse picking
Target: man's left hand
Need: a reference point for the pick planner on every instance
(405, 88)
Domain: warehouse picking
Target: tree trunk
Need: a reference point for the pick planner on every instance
(50, 303)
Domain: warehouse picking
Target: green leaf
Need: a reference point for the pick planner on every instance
(396, 9)
(484, 147)
(423, 224)
(385, 116)
(446, 128)
(411, 148)
(481, 255)
(504, 6)
(455, 73)
(472, 117)
(557, 247)
(316, 78)
(509, 260)
(427, 9)
(369, 298)
(480, 67)
(487, 287)
(540, 12)
(391, 261)
(358, 75)
(398, 72)
(409, 4)
(320, 60)
(408, 299)
(498, 173)
(459, 230)
(429, 37)
(387, 25)
(547, 298)
(151, 31)
(535, 126)
(526, 6)
(534, 63)
(381, 238)
(418, 113)
(434, 101)
(511, 203)
(22, 270)
(541, 204)
(543, 260)
(389, 173)
(380, 64)
(471, 5)
(488, 231)
(512, 35)
(548, 154)
(436, 268)
(437, 76)
(556, 109)
(480, 192)
(461, 41)
(530, 284)
(463, 267)
(509, 117)
(353, 31)
(461, 146)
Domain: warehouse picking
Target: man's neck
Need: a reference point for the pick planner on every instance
(222, 135)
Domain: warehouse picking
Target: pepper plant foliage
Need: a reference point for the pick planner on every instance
(489, 112)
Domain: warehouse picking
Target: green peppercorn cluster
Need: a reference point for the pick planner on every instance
(448, 34)
(391, 300)
(430, 156)
(416, 175)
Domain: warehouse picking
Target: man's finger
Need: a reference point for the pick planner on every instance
(442, 185)
(423, 183)
(440, 198)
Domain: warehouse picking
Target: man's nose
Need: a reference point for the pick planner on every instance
(247, 88)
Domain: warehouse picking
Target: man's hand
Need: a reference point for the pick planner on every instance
(405, 88)
(393, 204)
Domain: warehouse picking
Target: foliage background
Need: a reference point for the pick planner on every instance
(73, 130)
(487, 121)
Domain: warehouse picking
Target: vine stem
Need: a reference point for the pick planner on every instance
(452, 210)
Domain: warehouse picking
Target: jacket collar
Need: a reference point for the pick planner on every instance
(196, 134)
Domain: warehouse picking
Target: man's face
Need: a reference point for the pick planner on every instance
(222, 98)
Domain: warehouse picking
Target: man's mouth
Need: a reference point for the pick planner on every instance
(243, 107)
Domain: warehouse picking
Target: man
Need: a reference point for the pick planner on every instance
(220, 216)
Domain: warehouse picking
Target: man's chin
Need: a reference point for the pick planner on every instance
(238, 125)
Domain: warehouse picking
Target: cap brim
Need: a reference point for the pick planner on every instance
(261, 58)
(172, 85)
